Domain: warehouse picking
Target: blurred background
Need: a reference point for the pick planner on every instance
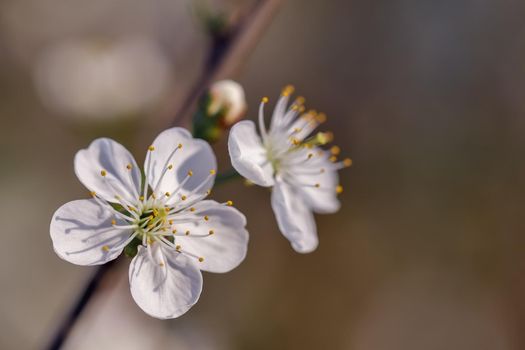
(426, 97)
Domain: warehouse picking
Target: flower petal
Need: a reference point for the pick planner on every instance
(317, 171)
(195, 155)
(164, 283)
(82, 233)
(294, 218)
(222, 250)
(248, 155)
(107, 157)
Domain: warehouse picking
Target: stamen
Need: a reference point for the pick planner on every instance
(262, 126)
(103, 172)
(320, 118)
(126, 242)
(339, 189)
(288, 90)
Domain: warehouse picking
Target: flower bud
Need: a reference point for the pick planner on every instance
(227, 98)
(221, 107)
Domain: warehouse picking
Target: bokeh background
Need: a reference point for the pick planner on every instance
(426, 97)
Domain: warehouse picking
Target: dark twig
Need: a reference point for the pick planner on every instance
(70, 319)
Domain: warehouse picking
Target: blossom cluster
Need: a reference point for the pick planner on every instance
(162, 219)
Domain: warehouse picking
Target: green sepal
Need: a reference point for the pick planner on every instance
(131, 249)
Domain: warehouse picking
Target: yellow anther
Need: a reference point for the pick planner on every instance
(295, 141)
(187, 233)
(150, 241)
(295, 107)
(333, 159)
(206, 217)
(229, 203)
(192, 209)
(288, 90)
(178, 248)
(93, 193)
(320, 118)
(129, 166)
(296, 130)
(212, 171)
(103, 172)
(208, 192)
(113, 222)
(264, 100)
(167, 194)
(300, 100)
(211, 232)
(317, 185)
(170, 166)
(170, 222)
(310, 155)
(307, 117)
(151, 148)
(335, 150)
(105, 248)
(324, 137)
(347, 162)
(161, 264)
(183, 197)
(174, 231)
(201, 259)
(190, 173)
(179, 146)
(339, 189)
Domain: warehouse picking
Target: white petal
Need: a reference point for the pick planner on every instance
(164, 283)
(322, 199)
(226, 247)
(81, 229)
(195, 155)
(248, 156)
(294, 218)
(112, 158)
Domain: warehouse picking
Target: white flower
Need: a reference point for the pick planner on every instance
(303, 176)
(178, 233)
(227, 95)
(101, 79)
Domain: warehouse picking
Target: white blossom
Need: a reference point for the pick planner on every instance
(177, 231)
(287, 158)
